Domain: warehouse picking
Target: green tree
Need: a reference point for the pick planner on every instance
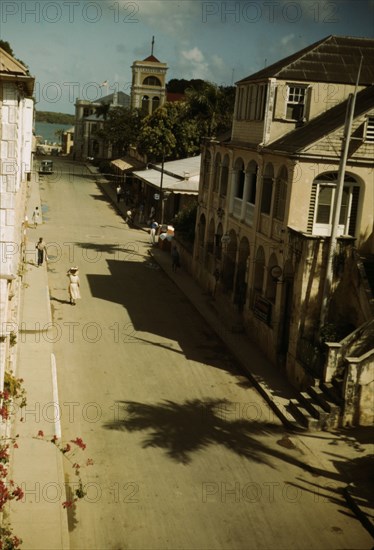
(121, 128)
(169, 132)
(8, 49)
(156, 138)
(212, 107)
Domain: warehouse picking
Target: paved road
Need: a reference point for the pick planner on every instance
(186, 454)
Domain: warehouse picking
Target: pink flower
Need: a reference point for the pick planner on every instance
(68, 503)
(78, 441)
(18, 493)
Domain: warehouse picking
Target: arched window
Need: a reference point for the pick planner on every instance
(218, 242)
(271, 283)
(202, 225)
(281, 194)
(259, 269)
(252, 173)
(322, 204)
(224, 176)
(267, 189)
(239, 179)
(151, 81)
(155, 103)
(145, 104)
(210, 237)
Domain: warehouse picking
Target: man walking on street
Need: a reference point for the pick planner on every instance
(152, 233)
(40, 247)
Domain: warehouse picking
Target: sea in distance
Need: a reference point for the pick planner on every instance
(48, 131)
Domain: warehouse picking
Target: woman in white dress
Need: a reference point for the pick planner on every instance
(74, 291)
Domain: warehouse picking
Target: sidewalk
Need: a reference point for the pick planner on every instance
(39, 518)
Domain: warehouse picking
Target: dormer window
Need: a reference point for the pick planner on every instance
(296, 101)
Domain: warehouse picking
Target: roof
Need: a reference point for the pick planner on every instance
(11, 67)
(329, 121)
(180, 176)
(127, 164)
(175, 96)
(152, 58)
(332, 59)
(122, 99)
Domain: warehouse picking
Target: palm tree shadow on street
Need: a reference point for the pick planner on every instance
(181, 429)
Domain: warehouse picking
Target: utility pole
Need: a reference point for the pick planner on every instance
(161, 191)
(338, 202)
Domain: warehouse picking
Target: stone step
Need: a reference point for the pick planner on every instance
(302, 415)
(322, 399)
(331, 392)
(312, 407)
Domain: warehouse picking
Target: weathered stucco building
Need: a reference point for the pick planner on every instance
(266, 204)
(88, 123)
(16, 147)
(148, 90)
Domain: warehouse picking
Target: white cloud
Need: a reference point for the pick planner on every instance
(194, 55)
(192, 63)
(286, 39)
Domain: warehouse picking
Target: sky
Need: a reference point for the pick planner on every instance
(73, 46)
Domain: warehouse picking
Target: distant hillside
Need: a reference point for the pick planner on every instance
(54, 118)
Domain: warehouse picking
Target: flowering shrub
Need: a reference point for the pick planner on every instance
(8, 491)
(69, 453)
(13, 393)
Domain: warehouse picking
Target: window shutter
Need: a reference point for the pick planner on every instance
(312, 207)
(354, 209)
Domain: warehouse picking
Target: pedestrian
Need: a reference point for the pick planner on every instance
(152, 213)
(152, 232)
(36, 217)
(74, 284)
(175, 259)
(40, 247)
(119, 192)
(129, 217)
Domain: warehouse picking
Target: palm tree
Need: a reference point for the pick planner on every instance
(205, 105)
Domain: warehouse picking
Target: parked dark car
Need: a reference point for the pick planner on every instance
(46, 167)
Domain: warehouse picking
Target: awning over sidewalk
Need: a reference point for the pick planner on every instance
(180, 176)
(126, 164)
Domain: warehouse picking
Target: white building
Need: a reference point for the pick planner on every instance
(16, 145)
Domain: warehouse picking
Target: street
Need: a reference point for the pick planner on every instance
(186, 454)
